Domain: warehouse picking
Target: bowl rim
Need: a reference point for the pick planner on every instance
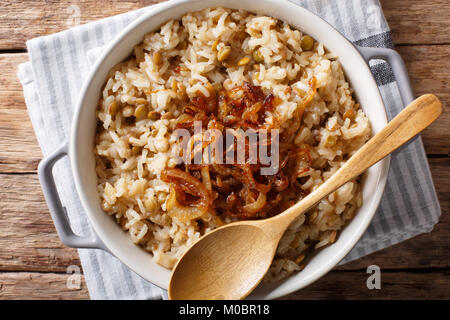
(160, 9)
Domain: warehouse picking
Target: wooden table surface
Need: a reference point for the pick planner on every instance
(34, 263)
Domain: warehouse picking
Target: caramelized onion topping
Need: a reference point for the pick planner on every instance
(237, 190)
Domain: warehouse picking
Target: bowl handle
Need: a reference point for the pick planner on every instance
(398, 67)
(57, 211)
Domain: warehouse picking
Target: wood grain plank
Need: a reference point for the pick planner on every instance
(39, 286)
(429, 71)
(27, 19)
(19, 151)
(394, 285)
(334, 285)
(28, 240)
(418, 21)
(411, 21)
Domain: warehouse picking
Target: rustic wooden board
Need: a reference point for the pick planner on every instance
(411, 21)
(33, 262)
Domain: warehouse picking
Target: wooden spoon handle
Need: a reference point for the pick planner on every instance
(407, 124)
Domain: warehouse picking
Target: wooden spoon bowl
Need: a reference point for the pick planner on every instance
(246, 274)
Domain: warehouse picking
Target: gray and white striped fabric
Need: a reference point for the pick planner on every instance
(60, 62)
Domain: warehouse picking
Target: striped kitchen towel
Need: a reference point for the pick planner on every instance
(60, 62)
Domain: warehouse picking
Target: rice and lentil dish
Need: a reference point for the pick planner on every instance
(226, 69)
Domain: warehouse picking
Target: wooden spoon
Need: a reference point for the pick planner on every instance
(229, 262)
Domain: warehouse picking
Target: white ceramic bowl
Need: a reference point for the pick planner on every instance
(84, 124)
